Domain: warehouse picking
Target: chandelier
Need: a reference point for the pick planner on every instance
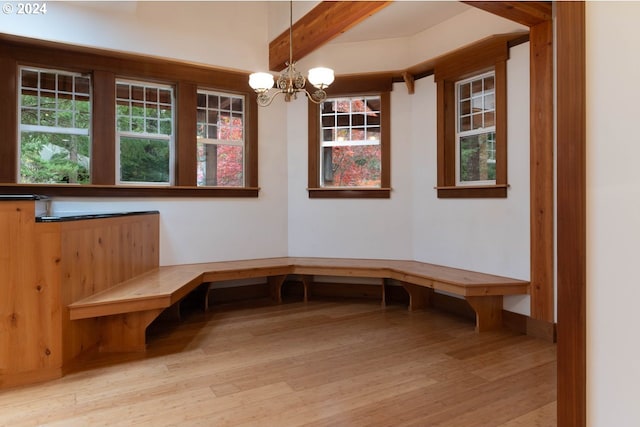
(291, 81)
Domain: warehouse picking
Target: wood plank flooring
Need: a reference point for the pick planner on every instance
(324, 363)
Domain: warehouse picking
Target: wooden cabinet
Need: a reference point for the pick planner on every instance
(45, 266)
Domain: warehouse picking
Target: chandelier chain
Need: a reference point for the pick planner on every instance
(291, 81)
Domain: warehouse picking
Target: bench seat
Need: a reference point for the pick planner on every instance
(126, 309)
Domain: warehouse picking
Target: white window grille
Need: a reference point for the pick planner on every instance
(144, 132)
(221, 139)
(350, 142)
(54, 126)
(475, 130)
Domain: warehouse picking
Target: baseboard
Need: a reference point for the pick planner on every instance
(31, 377)
(238, 293)
(293, 289)
(344, 290)
(528, 326)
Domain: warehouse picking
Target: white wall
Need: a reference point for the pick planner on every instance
(398, 54)
(484, 235)
(357, 228)
(191, 230)
(438, 228)
(226, 34)
(217, 229)
(613, 214)
(278, 15)
(488, 235)
(461, 30)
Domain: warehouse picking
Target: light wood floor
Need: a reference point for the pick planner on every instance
(324, 363)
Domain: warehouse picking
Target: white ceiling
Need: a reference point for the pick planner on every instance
(402, 19)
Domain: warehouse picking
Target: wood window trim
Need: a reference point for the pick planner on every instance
(90, 190)
(105, 66)
(490, 54)
(373, 84)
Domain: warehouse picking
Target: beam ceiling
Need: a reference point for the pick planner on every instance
(324, 22)
(529, 13)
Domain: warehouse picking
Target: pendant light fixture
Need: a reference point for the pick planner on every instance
(291, 81)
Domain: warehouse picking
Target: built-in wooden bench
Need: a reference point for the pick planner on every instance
(126, 309)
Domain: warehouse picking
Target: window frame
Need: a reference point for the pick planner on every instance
(487, 55)
(120, 134)
(460, 134)
(326, 146)
(218, 142)
(358, 86)
(105, 67)
(30, 128)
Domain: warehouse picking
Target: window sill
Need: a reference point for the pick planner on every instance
(71, 190)
(349, 193)
(473, 192)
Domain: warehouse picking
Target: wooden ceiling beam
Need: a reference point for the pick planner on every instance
(324, 22)
(529, 13)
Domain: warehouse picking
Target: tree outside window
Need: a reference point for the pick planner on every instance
(472, 120)
(55, 118)
(220, 135)
(120, 124)
(144, 124)
(476, 130)
(350, 146)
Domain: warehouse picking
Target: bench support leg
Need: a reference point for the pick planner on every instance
(206, 298)
(419, 296)
(126, 332)
(307, 281)
(384, 292)
(275, 286)
(172, 313)
(488, 312)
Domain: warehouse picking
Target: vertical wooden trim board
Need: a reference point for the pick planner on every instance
(542, 191)
(103, 132)
(251, 141)
(385, 100)
(501, 122)
(186, 145)
(571, 194)
(313, 169)
(8, 119)
(570, 188)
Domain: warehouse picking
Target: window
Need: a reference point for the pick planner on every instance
(220, 139)
(54, 127)
(476, 131)
(350, 154)
(349, 147)
(121, 124)
(144, 138)
(472, 129)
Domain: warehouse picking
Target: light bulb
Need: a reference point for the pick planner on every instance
(261, 82)
(321, 77)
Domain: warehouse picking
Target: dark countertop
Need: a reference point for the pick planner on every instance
(78, 217)
(21, 197)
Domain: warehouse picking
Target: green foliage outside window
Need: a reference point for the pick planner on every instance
(54, 156)
(144, 160)
(47, 158)
(144, 123)
(477, 158)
